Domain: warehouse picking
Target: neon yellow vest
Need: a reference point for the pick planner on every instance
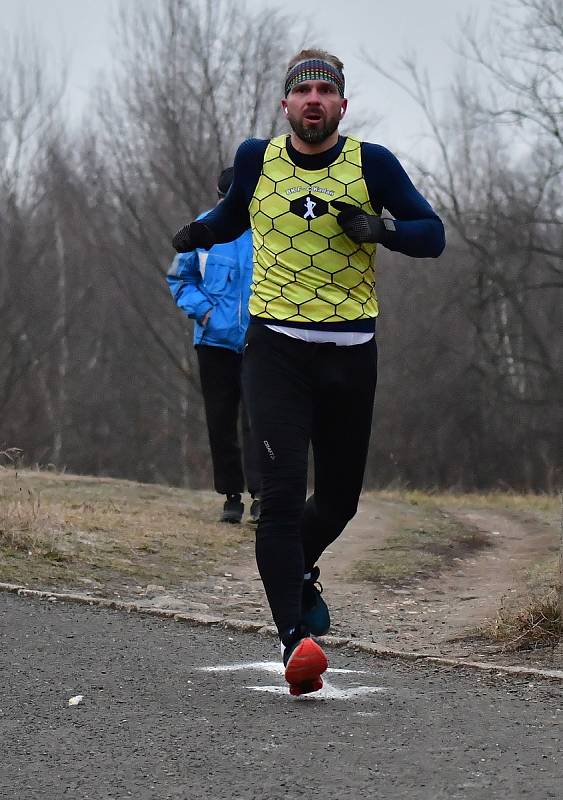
(305, 268)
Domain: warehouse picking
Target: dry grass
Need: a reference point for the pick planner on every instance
(530, 619)
(534, 623)
(395, 566)
(505, 501)
(58, 529)
(26, 528)
(410, 552)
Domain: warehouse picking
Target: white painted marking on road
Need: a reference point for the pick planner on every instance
(351, 671)
(328, 692)
(264, 666)
(272, 666)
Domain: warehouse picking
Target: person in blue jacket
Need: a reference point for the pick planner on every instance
(213, 288)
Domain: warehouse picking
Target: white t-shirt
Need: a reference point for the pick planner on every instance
(340, 338)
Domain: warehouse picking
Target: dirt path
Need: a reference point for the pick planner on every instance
(412, 571)
(432, 614)
(473, 592)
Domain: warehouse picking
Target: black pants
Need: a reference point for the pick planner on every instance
(220, 374)
(300, 393)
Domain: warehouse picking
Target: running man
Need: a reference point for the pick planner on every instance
(310, 364)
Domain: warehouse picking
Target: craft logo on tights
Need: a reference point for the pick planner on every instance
(269, 449)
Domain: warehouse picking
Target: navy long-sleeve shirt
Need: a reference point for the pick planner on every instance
(419, 231)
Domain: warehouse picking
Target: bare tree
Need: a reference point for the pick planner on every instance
(520, 54)
(194, 79)
(96, 365)
(500, 196)
(29, 105)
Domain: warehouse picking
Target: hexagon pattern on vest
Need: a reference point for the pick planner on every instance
(305, 268)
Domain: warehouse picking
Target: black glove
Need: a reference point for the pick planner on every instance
(196, 234)
(357, 225)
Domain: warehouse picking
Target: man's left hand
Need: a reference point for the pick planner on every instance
(357, 225)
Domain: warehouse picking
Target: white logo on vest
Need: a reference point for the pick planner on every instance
(309, 208)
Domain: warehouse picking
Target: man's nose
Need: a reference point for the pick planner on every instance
(314, 97)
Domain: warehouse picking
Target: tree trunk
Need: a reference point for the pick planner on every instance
(560, 587)
(62, 362)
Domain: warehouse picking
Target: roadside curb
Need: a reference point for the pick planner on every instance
(248, 626)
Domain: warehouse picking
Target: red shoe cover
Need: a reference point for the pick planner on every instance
(306, 688)
(306, 664)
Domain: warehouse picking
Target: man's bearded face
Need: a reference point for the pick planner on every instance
(314, 133)
(314, 110)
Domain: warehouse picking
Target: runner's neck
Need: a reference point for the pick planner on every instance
(314, 160)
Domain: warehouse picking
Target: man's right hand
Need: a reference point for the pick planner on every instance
(196, 234)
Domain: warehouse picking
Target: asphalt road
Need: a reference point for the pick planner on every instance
(154, 724)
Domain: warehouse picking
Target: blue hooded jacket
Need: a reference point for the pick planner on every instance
(217, 280)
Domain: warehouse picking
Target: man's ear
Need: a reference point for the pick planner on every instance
(343, 108)
(283, 104)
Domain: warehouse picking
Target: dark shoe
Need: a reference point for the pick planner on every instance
(314, 611)
(232, 510)
(305, 662)
(254, 513)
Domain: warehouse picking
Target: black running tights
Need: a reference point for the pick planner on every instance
(300, 393)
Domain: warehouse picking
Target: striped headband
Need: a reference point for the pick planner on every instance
(314, 69)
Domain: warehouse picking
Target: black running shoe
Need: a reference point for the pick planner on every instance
(254, 513)
(314, 611)
(232, 510)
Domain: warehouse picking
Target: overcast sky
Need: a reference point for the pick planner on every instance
(81, 31)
